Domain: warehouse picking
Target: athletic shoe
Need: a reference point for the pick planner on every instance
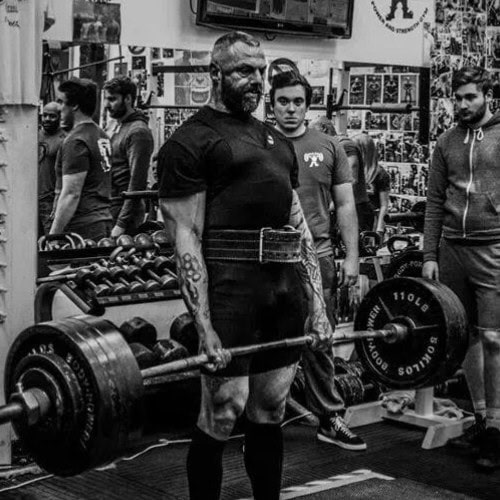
(489, 452)
(470, 440)
(337, 432)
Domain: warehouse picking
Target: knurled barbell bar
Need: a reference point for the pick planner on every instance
(75, 389)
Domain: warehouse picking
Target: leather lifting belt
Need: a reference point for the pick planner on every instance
(259, 245)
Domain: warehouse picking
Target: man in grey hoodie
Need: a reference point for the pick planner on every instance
(462, 246)
(132, 147)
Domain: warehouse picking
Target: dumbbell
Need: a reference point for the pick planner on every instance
(160, 238)
(134, 272)
(143, 241)
(169, 350)
(90, 243)
(118, 274)
(139, 330)
(106, 242)
(166, 281)
(85, 276)
(125, 241)
(145, 357)
(103, 274)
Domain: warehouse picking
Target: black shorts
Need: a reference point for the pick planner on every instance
(252, 303)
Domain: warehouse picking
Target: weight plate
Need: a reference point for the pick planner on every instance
(51, 374)
(425, 356)
(409, 263)
(116, 412)
(129, 378)
(96, 439)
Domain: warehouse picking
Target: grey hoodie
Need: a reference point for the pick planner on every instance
(463, 197)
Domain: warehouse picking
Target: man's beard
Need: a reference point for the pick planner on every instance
(118, 112)
(474, 117)
(50, 127)
(236, 101)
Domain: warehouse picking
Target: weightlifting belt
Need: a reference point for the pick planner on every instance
(259, 245)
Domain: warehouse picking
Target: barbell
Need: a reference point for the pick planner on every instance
(75, 390)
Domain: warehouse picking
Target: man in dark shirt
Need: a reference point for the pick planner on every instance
(226, 185)
(324, 176)
(84, 167)
(50, 138)
(132, 147)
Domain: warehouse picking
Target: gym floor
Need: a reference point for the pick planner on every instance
(393, 466)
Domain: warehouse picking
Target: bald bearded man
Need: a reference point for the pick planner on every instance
(50, 138)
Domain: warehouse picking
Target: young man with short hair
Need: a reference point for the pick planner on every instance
(84, 166)
(324, 176)
(462, 246)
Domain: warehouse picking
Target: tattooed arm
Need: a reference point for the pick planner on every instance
(184, 220)
(309, 271)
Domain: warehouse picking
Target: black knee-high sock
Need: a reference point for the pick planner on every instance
(204, 466)
(264, 459)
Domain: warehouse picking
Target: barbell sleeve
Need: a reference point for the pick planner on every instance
(10, 412)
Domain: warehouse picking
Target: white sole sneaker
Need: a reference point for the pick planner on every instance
(341, 444)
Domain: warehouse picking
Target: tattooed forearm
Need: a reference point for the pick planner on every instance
(308, 268)
(192, 279)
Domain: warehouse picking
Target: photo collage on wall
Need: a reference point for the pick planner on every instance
(395, 134)
(467, 32)
(383, 85)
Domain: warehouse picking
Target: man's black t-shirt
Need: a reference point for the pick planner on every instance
(88, 149)
(247, 168)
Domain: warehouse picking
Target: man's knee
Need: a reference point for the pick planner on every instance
(268, 411)
(219, 413)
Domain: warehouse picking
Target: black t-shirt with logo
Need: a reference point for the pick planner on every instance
(247, 168)
(88, 149)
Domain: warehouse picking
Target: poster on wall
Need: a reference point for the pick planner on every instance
(96, 22)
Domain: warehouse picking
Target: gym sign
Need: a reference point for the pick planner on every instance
(400, 16)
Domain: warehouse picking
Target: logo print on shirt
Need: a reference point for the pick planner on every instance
(270, 140)
(314, 158)
(105, 150)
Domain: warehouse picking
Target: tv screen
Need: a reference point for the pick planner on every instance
(323, 18)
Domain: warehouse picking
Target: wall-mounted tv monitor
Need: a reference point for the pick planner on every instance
(322, 18)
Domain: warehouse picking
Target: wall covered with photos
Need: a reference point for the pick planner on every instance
(465, 32)
(396, 134)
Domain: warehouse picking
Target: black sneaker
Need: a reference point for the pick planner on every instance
(338, 433)
(470, 440)
(489, 452)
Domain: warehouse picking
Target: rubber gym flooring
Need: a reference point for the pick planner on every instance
(394, 466)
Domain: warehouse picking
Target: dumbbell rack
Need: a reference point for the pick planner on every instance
(87, 302)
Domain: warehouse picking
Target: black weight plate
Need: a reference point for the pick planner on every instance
(408, 263)
(51, 374)
(95, 439)
(129, 378)
(115, 432)
(424, 357)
